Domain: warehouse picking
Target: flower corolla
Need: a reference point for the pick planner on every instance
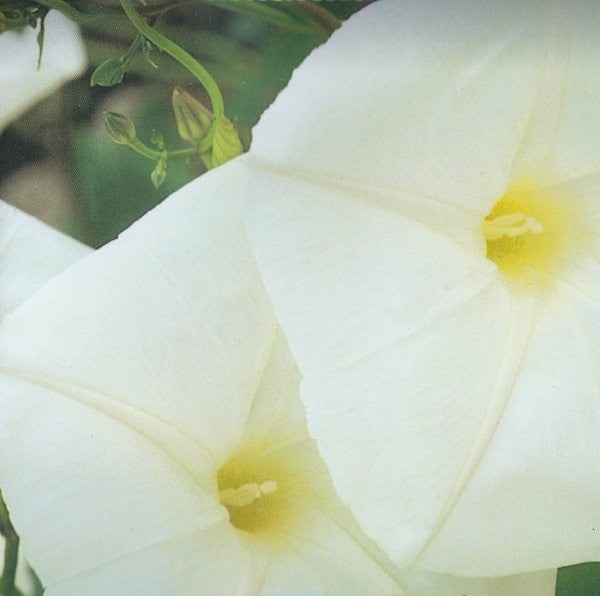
(428, 229)
(150, 416)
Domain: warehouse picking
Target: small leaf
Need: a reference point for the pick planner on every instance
(109, 73)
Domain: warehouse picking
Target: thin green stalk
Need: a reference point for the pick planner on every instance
(65, 8)
(179, 54)
(156, 154)
(133, 48)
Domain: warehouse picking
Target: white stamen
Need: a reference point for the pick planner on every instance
(246, 494)
(511, 225)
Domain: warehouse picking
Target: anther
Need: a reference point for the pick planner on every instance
(511, 226)
(246, 494)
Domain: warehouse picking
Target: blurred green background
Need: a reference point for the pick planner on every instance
(58, 162)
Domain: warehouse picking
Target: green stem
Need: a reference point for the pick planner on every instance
(65, 8)
(11, 552)
(179, 54)
(155, 154)
(133, 48)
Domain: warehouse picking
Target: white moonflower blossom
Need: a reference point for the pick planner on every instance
(153, 441)
(427, 224)
(152, 437)
(22, 84)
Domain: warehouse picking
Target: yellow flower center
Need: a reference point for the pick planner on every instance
(254, 486)
(529, 233)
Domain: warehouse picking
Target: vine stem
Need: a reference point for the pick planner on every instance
(156, 154)
(179, 54)
(65, 8)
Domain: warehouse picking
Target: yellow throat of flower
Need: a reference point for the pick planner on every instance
(530, 233)
(255, 485)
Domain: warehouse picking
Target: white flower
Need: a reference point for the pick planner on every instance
(427, 226)
(21, 83)
(152, 437)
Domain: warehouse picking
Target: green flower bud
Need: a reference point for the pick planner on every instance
(193, 119)
(120, 128)
(226, 142)
(159, 173)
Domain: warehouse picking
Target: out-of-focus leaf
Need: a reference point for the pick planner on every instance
(109, 73)
(579, 580)
(275, 14)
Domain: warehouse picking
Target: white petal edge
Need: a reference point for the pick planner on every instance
(415, 95)
(533, 501)
(30, 253)
(537, 583)
(401, 439)
(348, 278)
(174, 307)
(84, 490)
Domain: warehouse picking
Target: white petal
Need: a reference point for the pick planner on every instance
(21, 83)
(125, 476)
(170, 316)
(289, 573)
(85, 490)
(537, 583)
(348, 278)
(212, 562)
(324, 550)
(533, 500)
(329, 540)
(565, 125)
(30, 253)
(418, 95)
(403, 430)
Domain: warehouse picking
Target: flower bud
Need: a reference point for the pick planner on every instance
(159, 173)
(226, 142)
(193, 119)
(120, 128)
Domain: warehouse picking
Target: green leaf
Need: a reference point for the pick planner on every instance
(579, 580)
(109, 73)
